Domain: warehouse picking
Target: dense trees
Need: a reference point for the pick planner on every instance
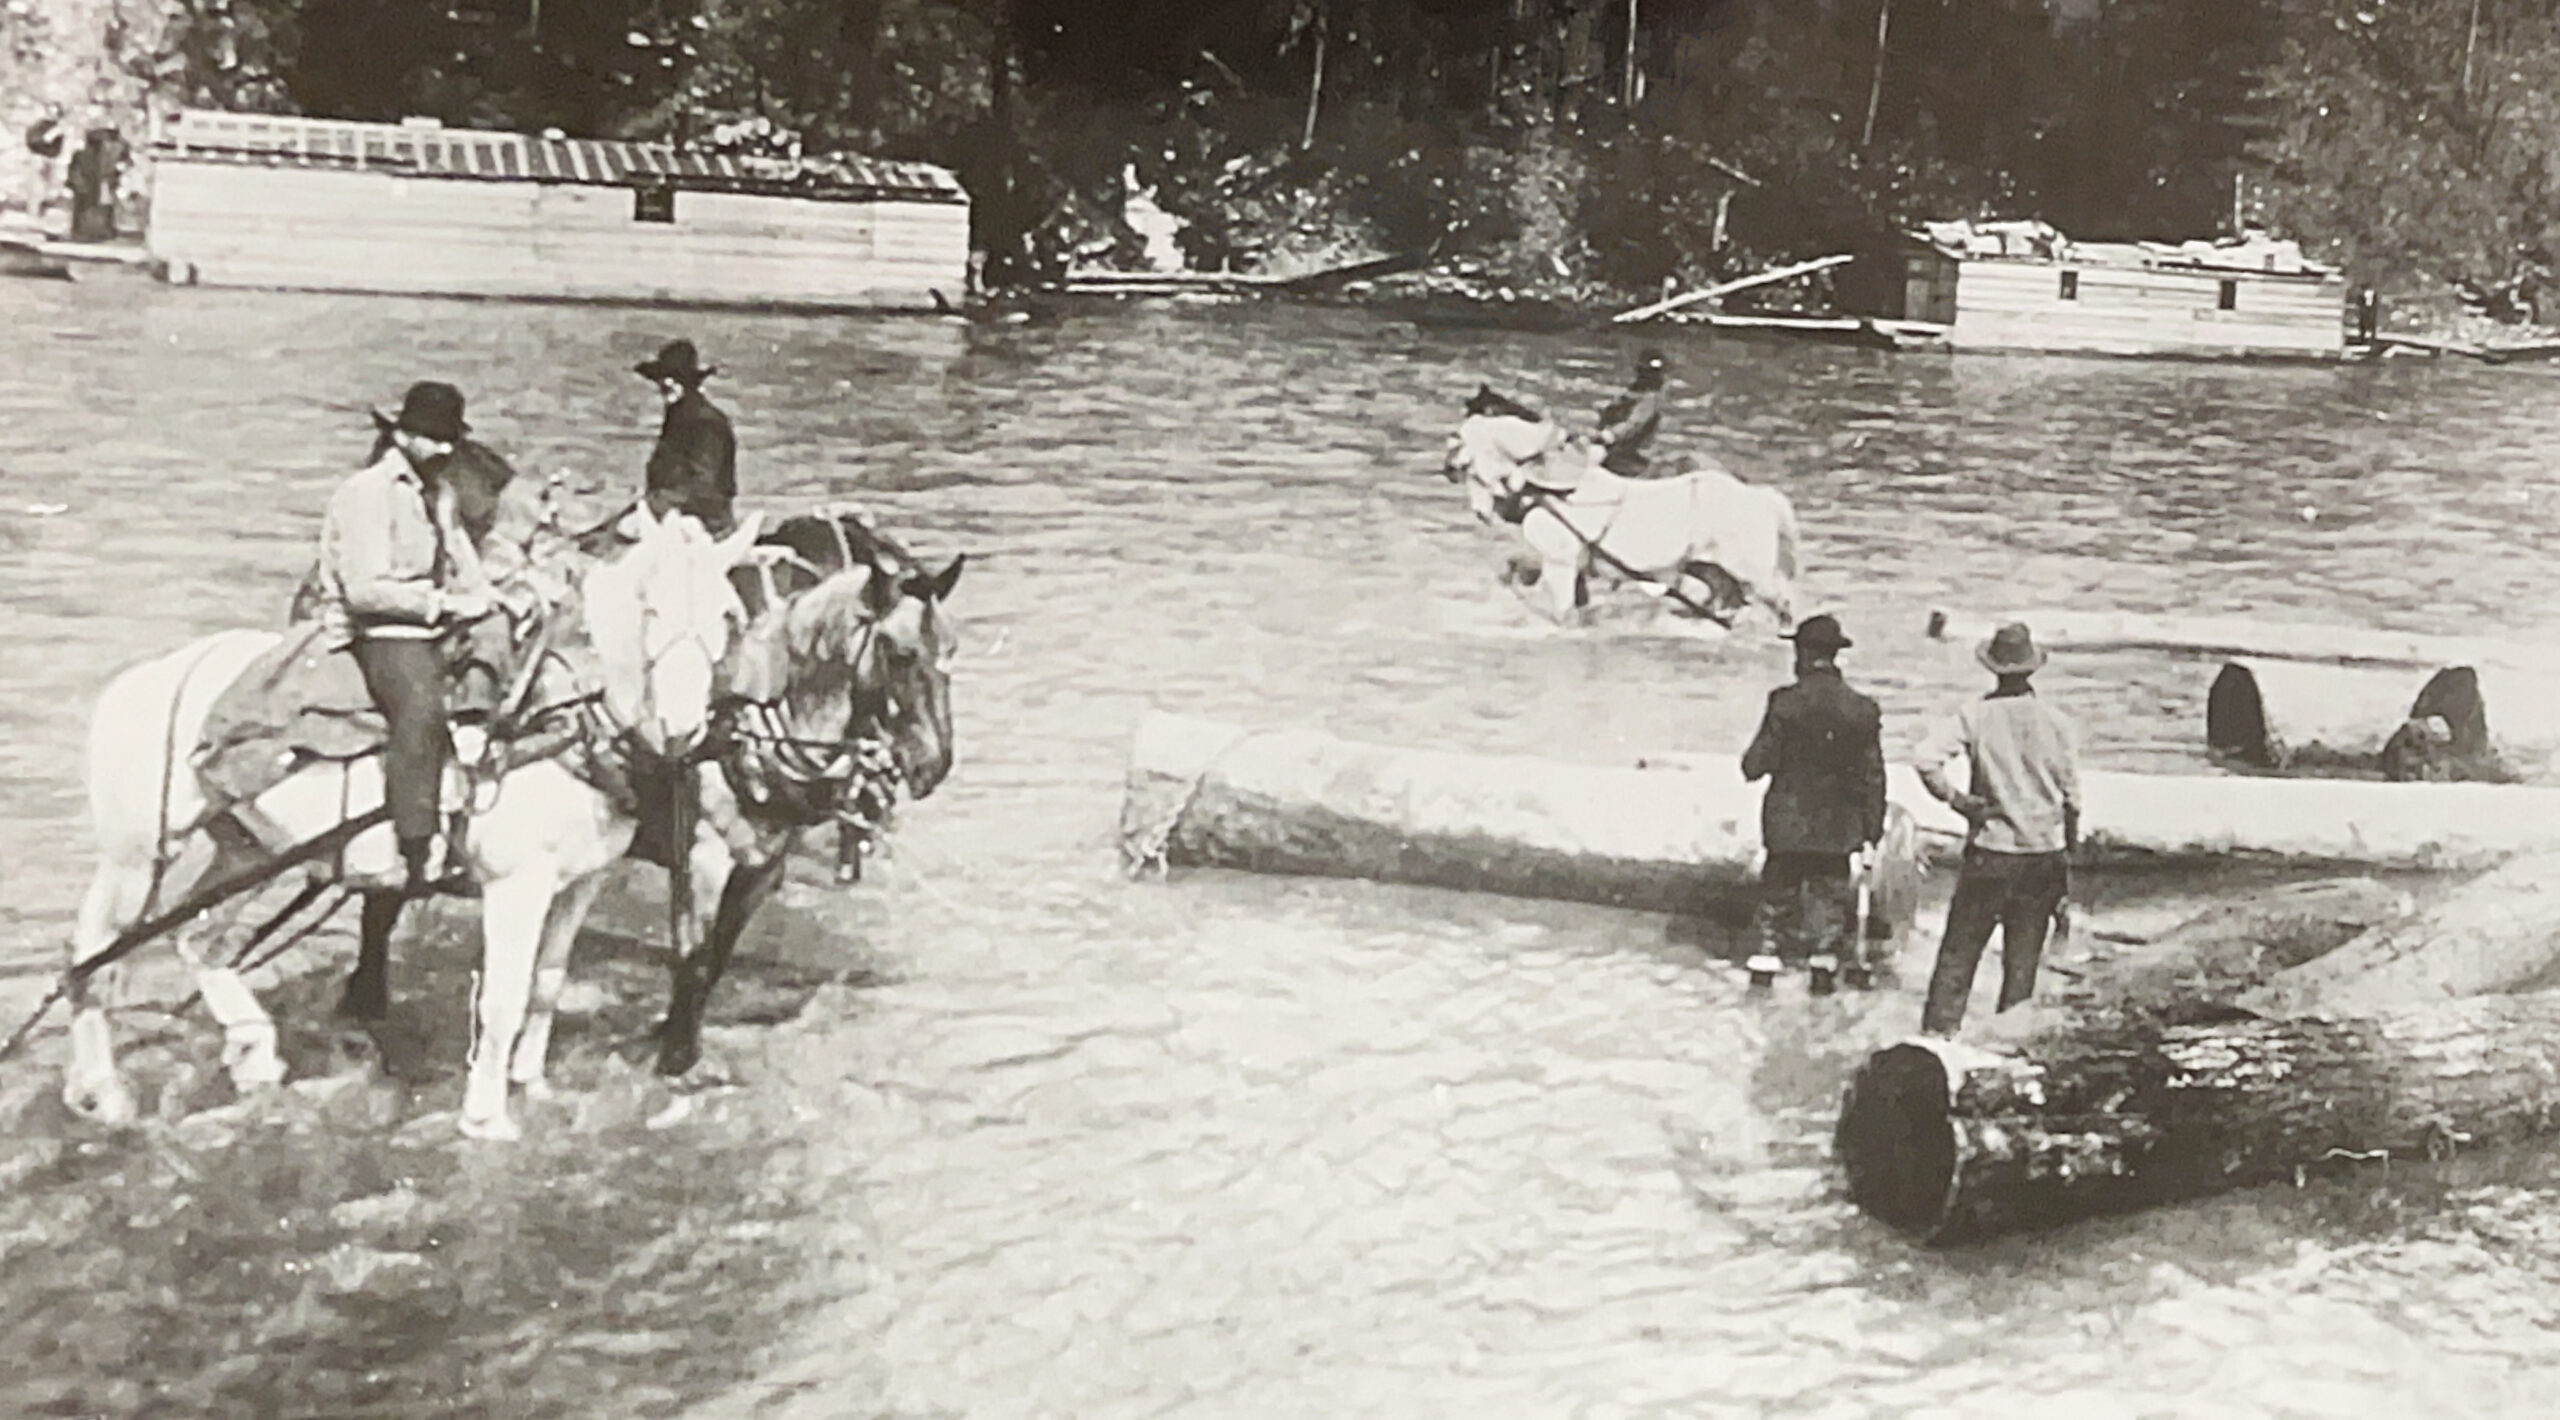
(1570, 141)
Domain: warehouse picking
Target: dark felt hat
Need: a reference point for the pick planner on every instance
(1651, 359)
(432, 408)
(676, 360)
(2012, 650)
(1820, 633)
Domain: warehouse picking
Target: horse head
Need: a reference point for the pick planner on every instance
(1498, 444)
(877, 623)
(663, 617)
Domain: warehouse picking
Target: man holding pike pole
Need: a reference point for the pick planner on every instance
(1820, 746)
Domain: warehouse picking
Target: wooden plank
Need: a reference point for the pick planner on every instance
(2063, 629)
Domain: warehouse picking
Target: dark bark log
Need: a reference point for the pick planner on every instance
(2504, 724)
(1953, 1143)
(2306, 716)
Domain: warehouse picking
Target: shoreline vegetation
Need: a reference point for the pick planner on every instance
(1539, 162)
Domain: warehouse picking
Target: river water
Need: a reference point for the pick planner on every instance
(1000, 1133)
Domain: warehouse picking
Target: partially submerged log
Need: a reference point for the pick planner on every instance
(1953, 1143)
(2503, 724)
(2212, 956)
(2306, 715)
(2065, 630)
(2499, 932)
(1295, 801)
(1201, 792)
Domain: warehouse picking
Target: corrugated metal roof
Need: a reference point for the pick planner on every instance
(206, 135)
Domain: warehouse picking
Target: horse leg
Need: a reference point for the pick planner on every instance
(118, 894)
(513, 911)
(368, 994)
(532, 1055)
(747, 888)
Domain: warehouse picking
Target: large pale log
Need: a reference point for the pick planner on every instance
(1954, 1143)
(2307, 715)
(2066, 630)
(2498, 932)
(2214, 955)
(1302, 802)
(2504, 723)
(1294, 801)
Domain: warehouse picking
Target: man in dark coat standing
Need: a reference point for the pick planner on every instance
(1821, 747)
(694, 468)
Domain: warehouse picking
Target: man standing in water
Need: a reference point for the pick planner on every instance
(2023, 808)
(694, 468)
(1821, 747)
(396, 572)
(1628, 423)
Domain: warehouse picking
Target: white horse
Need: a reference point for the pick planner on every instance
(656, 623)
(1711, 538)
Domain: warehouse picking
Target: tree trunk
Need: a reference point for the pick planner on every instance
(1953, 1143)
(2504, 723)
(2307, 716)
(2211, 957)
(2500, 932)
(2063, 630)
(1215, 795)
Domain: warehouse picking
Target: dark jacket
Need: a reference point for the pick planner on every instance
(1626, 426)
(694, 468)
(1822, 747)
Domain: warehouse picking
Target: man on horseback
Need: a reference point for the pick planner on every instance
(397, 572)
(1628, 423)
(694, 466)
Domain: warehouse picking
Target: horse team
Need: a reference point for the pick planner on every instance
(699, 702)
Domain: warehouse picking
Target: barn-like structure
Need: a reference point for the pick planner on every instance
(256, 200)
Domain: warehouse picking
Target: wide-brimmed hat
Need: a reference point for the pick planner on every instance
(1819, 633)
(432, 408)
(2012, 650)
(676, 360)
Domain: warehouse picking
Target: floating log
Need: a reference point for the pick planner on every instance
(1205, 793)
(2500, 932)
(1954, 1143)
(2213, 956)
(1727, 288)
(2503, 723)
(2307, 715)
(1212, 794)
(2064, 630)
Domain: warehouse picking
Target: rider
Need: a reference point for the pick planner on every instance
(1628, 422)
(694, 468)
(396, 572)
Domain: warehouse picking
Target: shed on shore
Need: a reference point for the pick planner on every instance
(2023, 286)
(416, 208)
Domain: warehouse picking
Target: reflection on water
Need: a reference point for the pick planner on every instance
(1264, 1147)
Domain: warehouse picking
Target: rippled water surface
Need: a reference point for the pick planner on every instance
(1028, 1139)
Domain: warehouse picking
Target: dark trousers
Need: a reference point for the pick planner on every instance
(2015, 892)
(406, 680)
(1806, 906)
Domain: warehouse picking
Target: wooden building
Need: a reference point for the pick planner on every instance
(2022, 286)
(252, 200)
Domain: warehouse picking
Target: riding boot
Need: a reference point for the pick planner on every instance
(1765, 964)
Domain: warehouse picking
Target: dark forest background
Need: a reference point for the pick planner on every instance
(1566, 144)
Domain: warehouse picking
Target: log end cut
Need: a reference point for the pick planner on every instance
(1896, 1141)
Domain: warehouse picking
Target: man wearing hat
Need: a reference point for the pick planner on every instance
(1628, 423)
(396, 572)
(1821, 748)
(694, 468)
(2023, 811)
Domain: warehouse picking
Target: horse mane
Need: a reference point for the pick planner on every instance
(823, 623)
(1488, 401)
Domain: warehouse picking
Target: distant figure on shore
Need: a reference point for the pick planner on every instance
(1628, 422)
(694, 467)
(1820, 745)
(2023, 815)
